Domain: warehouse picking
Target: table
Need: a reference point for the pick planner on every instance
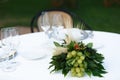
(29, 69)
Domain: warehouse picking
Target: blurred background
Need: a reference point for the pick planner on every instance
(102, 15)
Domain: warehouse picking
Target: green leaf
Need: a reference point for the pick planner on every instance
(66, 69)
(89, 73)
(57, 44)
(90, 45)
(58, 62)
(71, 46)
(99, 57)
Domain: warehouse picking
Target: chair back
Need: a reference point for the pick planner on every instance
(66, 16)
(70, 19)
(67, 19)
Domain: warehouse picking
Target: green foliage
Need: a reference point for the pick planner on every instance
(79, 60)
(90, 45)
(57, 44)
(59, 63)
(71, 46)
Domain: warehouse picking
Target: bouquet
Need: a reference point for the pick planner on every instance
(77, 58)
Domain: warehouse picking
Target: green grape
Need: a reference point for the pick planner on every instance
(76, 64)
(77, 69)
(79, 61)
(69, 56)
(82, 57)
(79, 54)
(73, 69)
(80, 74)
(73, 73)
(73, 53)
(81, 65)
(82, 69)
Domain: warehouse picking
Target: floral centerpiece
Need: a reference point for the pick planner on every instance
(77, 58)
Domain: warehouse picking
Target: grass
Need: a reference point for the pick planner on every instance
(93, 12)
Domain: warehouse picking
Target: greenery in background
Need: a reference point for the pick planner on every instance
(20, 13)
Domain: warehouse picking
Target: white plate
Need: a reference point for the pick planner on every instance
(34, 48)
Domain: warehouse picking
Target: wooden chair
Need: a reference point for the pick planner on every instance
(70, 19)
(67, 19)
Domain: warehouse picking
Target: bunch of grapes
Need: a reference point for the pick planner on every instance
(76, 60)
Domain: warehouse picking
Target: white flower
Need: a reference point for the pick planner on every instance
(59, 50)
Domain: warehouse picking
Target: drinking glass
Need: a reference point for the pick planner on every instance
(45, 23)
(83, 34)
(57, 27)
(9, 42)
(88, 36)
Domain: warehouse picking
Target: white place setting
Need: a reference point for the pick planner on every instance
(34, 56)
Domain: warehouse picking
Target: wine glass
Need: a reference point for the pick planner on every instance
(88, 36)
(9, 42)
(83, 34)
(45, 23)
(57, 27)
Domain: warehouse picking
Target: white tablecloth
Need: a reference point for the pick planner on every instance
(106, 43)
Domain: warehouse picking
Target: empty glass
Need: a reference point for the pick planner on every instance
(9, 43)
(45, 23)
(83, 34)
(57, 27)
